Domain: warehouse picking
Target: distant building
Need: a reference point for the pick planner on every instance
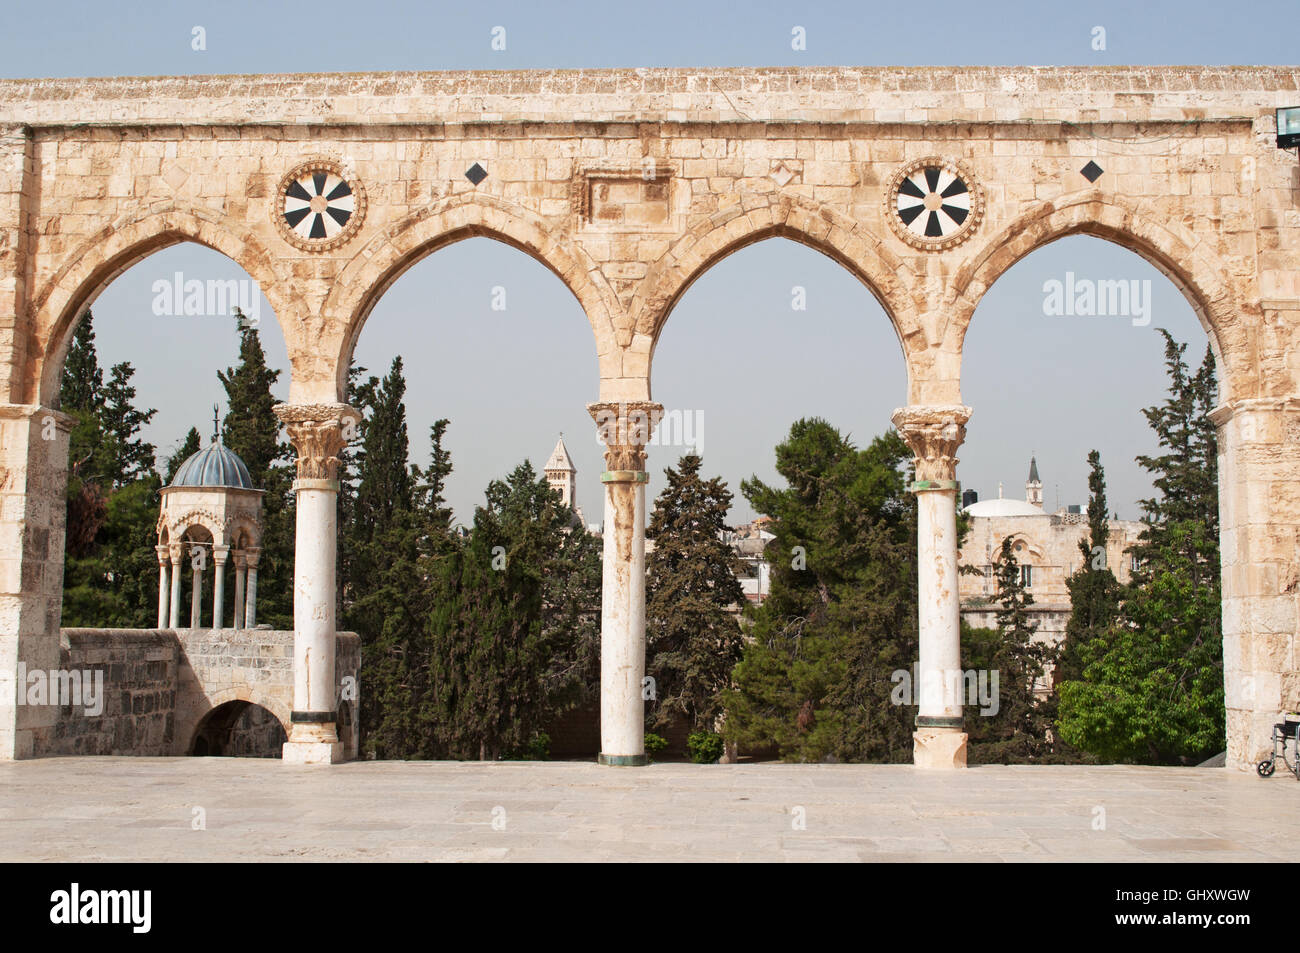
(749, 540)
(562, 476)
(1047, 547)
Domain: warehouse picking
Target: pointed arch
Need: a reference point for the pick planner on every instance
(754, 218)
(1199, 273)
(391, 254)
(93, 265)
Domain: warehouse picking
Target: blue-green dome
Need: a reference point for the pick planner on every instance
(214, 465)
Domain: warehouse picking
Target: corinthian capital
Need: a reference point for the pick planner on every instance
(319, 432)
(625, 428)
(933, 432)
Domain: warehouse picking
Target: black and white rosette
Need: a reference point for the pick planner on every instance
(319, 207)
(933, 204)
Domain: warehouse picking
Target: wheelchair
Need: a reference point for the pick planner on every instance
(1287, 730)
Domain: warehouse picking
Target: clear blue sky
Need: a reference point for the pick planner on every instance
(1054, 386)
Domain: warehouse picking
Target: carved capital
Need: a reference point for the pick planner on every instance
(251, 557)
(318, 432)
(625, 428)
(933, 433)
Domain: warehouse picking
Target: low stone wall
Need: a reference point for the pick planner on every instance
(138, 668)
(158, 686)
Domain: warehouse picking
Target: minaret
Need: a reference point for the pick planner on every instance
(1034, 486)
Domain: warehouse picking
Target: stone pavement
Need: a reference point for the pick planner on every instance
(141, 809)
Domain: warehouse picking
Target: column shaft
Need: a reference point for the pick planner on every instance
(219, 555)
(174, 613)
(241, 567)
(625, 429)
(934, 433)
(318, 432)
(164, 586)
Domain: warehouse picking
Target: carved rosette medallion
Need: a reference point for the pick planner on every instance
(933, 433)
(933, 204)
(319, 432)
(318, 206)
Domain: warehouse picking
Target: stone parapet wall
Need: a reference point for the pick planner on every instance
(160, 684)
(139, 668)
(880, 94)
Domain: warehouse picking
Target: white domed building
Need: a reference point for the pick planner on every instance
(211, 515)
(1046, 546)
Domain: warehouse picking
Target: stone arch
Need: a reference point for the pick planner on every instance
(1194, 269)
(239, 693)
(94, 264)
(391, 254)
(756, 218)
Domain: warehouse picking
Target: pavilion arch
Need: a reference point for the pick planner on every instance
(759, 217)
(90, 268)
(386, 258)
(190, 730)
(1197, 272)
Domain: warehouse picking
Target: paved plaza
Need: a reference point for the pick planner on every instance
(144, 809)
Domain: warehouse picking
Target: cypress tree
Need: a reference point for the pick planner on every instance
(252, 431)
(1151, 687)
(190, 446)
(693, 640)
(1094, 591)
(815, 681)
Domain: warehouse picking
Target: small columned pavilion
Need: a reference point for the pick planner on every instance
(211, 512)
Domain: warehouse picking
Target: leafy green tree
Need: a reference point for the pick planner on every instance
(110, 566)
(1094, 591)
(1151, 689)
(1020, 729)
(815, 681)
(693, 639)
(191, 445)
(251, 429)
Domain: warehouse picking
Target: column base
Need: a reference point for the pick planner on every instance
(939, 748)
(312, 744)
(623, 760)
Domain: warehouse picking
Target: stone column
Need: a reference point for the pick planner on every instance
(1259, 554)
(318, 432)
(196, 596)
(164, 587)
(250, 590)
(241, 567)
(174, 614)
(625, 429)
(934, 433)
(33, 478)
(219, 556)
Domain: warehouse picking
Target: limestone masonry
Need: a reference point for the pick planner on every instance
(927, 184)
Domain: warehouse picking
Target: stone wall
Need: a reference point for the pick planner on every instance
(160, 685)
(139, 669)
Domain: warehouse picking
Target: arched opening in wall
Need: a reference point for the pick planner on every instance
(1064, 356)
(776, 333)
(493, 343)
(139, 372)
(239, 729)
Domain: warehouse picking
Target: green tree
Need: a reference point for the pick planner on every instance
(693, 639)
(1094, 591)
(1020, 729)
(1151, 689)
(191, 445)
(815, 681)
(251, 429)
(110, 565)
